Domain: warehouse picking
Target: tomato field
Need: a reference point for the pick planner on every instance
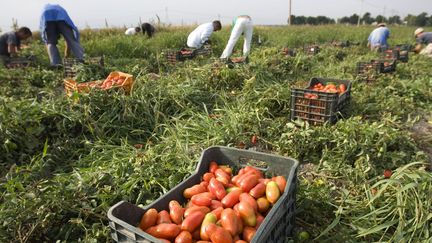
(66, 160)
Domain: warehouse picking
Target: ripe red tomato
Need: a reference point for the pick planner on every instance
(163, 217)
(148, 219)
(189, 192)
(387, 173)
(193, 221)
(164, 231)
(229, 221)
(231, 198)
(176, 211)
(184, 237)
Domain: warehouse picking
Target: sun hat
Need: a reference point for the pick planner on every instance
(418, 31)
(382, 24)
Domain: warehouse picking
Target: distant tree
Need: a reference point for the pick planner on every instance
(380, 19)
(421, 19)
(394, 20)
(410, 19)
(298, 20)
(344, 20)
(324, 20)
(367, 19)
(353, 19)
(311, 20)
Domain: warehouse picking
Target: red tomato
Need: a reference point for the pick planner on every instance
(218, 212)
(210, 218)
(189, 192)
(387, 174)
(204, 184)
(213, 167)
(247, 214)
(248, 233)
(148, 219)
(201, 199)
(176, 211)
(193, 221)
(258, 191)
(342, 88)
(229, 221)
(223, 180)
(263, 204)
(165, 231)
(272, 192)
(260, 219)
(217, 189)
(231, 199)
(196, 235)
(235, 179)
(248, 182)
(218, 234)
(254, 170)
(163, 217)
(245, 197)
(254, 139)
(221, 173)
(215, 204)
(241, 171)
(184, 237)
(192, 209)
(226, 168)
(265, 181)
(207, 176)
(281, 182)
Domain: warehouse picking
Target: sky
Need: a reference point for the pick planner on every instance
(93, 13)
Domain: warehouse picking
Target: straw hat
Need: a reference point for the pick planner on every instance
(418, 31)
(381, 24)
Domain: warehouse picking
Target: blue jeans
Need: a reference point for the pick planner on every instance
(53, 31)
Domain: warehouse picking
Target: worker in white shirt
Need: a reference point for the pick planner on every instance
(241, 25)
(202, 33)
(133, 31)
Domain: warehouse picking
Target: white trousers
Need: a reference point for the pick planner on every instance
(427, 50)
(242, 26)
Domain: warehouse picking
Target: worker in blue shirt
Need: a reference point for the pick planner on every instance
(54, 22)
(378, 38)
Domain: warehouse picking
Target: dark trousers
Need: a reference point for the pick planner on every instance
(53, 31)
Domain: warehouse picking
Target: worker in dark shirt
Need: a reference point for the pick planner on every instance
(149, 29)
(10, 42)
(424, 42)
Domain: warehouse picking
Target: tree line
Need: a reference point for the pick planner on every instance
(422, 19)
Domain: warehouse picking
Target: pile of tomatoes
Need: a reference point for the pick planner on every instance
(112, 81)
(106, 84)
(328, 88)
(186, 52)
(223, 208)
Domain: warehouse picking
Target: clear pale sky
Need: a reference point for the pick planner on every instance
(92, 13)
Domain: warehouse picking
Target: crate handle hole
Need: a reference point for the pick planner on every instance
(258, 164)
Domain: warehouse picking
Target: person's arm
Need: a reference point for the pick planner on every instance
(206, 35)
(12, 49)
(418, 48)
(419, 45)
